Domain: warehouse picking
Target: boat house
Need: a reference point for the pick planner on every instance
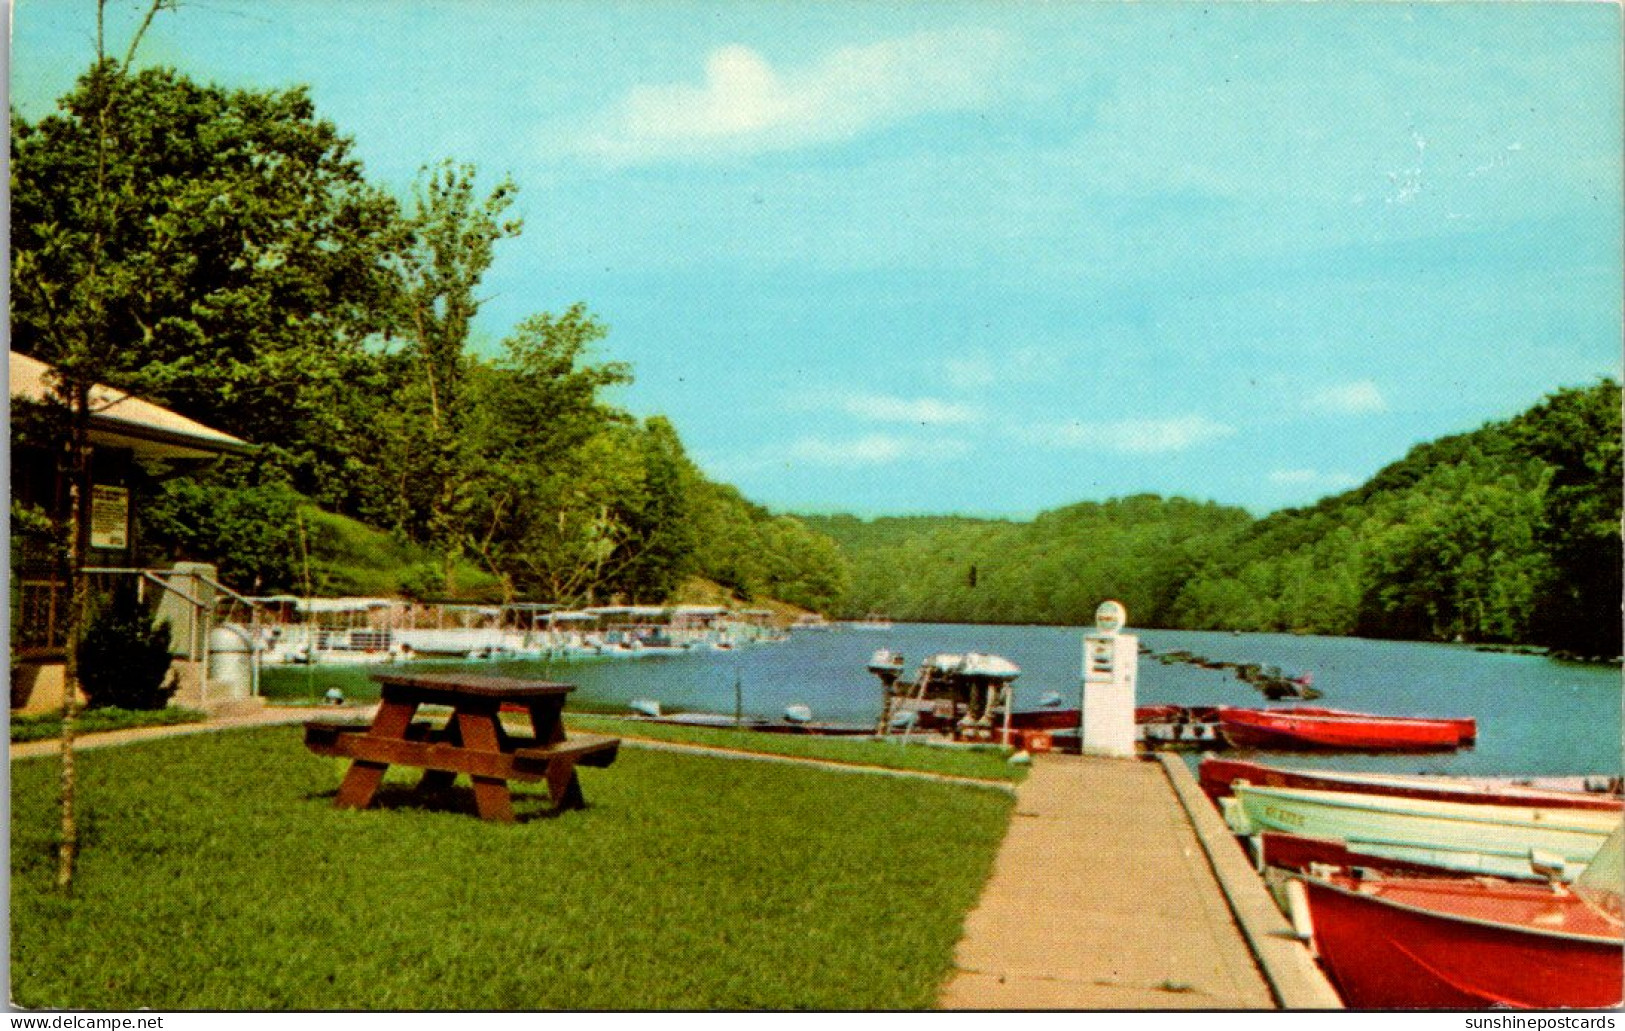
(134, 444)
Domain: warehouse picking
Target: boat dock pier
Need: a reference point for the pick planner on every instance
(1119, 887)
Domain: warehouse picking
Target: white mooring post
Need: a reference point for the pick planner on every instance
(1110, 665)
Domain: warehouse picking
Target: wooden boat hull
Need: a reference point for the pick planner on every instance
(1488, 839)
(1294, 731)
(1439, 944)
(1216, 776)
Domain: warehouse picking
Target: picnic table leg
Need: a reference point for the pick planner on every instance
(491, 797)
(564, 786)
(361, 782)
(547, 720)
(442, 780)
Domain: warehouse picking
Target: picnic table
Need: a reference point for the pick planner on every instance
(473, 741)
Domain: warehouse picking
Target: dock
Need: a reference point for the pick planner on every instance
(1118, 887)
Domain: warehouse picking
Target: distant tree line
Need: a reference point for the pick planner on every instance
(1510, 533)
(222, 252)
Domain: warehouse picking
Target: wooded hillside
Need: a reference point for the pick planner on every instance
(1510, 533)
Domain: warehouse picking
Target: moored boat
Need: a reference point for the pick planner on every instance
(1298, 729)
(1216, 776)
(1297, 853)
(1438, 943)
(797, 719)
(1488, 839)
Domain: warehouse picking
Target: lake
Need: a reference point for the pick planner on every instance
(1535, 715)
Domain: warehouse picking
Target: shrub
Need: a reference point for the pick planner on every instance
(124, 656)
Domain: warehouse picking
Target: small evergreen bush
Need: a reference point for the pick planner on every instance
(124, 656)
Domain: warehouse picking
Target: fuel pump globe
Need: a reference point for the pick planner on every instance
(1110, 617)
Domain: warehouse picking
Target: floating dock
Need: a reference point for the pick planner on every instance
(1118, 887)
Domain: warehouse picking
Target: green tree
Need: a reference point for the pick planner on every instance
(530, 415)
(235, 247)
(451, 239)
(1577, 434)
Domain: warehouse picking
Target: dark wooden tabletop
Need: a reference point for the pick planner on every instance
(473, 685)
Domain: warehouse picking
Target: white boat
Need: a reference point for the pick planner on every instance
(1485, 839)
(873, 621)
(993, 667)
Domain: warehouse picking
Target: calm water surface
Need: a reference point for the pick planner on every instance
(1535, 716)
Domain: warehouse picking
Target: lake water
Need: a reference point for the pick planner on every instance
(1535, 715)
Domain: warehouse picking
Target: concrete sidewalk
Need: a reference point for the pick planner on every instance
(1103, 897)
(269, 716)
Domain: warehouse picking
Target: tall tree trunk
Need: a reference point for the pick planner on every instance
(79, 489)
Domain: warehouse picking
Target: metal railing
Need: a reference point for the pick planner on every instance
(203, 623)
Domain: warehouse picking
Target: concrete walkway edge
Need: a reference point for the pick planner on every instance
(1294, 979)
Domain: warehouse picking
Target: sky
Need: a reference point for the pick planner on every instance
(993, 258)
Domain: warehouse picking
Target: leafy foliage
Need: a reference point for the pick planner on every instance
(124, 656)
(250, 532)
(1055, 569)
(227, 256)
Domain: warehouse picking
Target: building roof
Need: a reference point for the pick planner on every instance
(123, 420)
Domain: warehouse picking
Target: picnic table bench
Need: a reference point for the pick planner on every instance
(473, 741)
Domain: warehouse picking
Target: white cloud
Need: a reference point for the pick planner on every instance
(875, 449)
(926, 411)
(745, 105)
(1357, 398)
(1129, 436)
(1312, 478)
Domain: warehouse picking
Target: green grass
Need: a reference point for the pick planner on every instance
(216, 874)
(95, 721)
(983, 763)
(348, 557)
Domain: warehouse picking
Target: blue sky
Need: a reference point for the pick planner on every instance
(996, 257)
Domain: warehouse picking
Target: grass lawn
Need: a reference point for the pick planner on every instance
(216, 874)
(96, 721)
(988, 763)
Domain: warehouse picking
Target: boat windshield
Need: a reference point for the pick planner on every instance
(1603, 880)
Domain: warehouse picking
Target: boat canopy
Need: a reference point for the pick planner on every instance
(325, 605)
(978, 665)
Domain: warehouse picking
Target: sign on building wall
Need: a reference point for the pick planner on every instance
(110, 517)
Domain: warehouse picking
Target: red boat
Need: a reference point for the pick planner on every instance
(1293, 729)
(1437, 943)
(1466, 726)
(1216, 776)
